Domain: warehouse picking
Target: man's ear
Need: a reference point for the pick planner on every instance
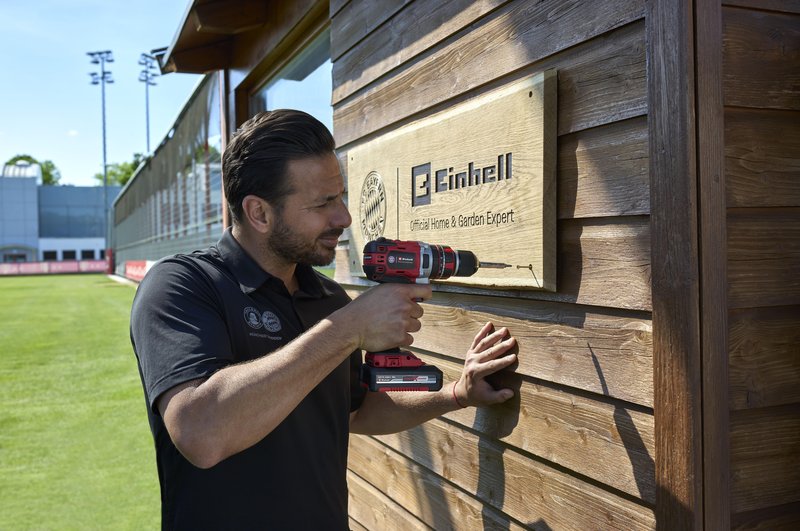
(257, 213)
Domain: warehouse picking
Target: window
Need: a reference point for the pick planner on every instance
(305, 84)
(13, 257)
(49, 255)
(68, 255)
(87, 254)
(102, 254)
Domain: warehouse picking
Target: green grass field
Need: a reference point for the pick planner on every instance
(75, 448)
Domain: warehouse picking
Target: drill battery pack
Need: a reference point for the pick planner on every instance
(399, 370)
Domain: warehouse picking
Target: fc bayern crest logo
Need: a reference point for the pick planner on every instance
(271, 322)
(372, 210)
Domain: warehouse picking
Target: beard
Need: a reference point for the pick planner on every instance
(292, 248)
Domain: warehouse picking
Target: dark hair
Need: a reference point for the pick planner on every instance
(255, 160)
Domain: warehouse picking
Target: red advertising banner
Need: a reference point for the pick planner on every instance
(136, 269)
(53, 268)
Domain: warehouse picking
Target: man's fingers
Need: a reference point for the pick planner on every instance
(482, 333)
(500, 396)
(419, 291)
(491, 340)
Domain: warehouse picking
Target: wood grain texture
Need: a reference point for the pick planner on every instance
(564, 428)
(358, 19)
(713, 274)
(677, 354)
(373, 510)
(765, 457)
(421, 25)
(762, 158)
(437, 503)
(603, 171)
(511, 39)
(605, 263)
(530, 492)
(777, 518)
(761, 59)
(788, 6)
(602, 353)
(764, 360)
(356, 526)
(334, 6)
(602, 263)
(763, 257)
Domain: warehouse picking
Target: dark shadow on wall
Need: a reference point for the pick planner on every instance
(494, 423)
(431, 497)
(644, 471)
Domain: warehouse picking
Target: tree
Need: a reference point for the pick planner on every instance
(50, 174)
(120, 173)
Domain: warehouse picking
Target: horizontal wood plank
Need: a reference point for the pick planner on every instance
(605, 263)
(358, 19)
(418, 27)
(528, 491)
(604, 81)
(334, 6)
(762, 157)
(606, 354)
(765, 457)
(764, 361)
(374, 510)
(356, 526)
(603, 171)
(564, 428)
(777, 518)
(437, 503)
(763, 257)
(788, 6)
(761, 59)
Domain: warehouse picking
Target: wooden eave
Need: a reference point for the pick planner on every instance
(207, 34)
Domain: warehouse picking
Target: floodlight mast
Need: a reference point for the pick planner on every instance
(147, 75)
(101, 58)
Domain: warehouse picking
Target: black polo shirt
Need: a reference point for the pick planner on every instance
(195, 314)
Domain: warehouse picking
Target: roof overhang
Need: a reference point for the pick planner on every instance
(207, 33)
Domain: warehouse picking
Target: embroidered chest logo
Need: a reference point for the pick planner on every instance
(252, 317)
(256, 320)
(271, 322)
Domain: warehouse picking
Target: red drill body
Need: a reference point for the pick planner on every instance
(410, 262)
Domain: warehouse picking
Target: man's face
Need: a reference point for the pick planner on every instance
(307, 228)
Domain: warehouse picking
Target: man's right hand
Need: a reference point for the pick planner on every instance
(385, 316)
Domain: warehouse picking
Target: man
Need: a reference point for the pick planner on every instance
(250, 359)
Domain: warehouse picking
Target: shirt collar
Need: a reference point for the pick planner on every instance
(251, 276)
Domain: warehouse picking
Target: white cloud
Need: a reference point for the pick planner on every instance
(72, 132)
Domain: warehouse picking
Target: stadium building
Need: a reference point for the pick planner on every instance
(49, 223)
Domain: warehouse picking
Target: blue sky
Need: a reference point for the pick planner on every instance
(48, 107)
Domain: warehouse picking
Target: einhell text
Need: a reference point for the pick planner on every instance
(425, 181)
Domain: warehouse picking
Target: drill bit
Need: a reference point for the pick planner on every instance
(494, 265)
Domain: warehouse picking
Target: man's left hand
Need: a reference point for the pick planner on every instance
(487, 355)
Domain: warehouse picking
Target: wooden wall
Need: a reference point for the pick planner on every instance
(761, 96)
(575, 449)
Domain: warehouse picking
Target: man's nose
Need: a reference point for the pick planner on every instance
(343, 218)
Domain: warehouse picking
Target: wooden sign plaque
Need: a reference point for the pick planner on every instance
(479, 176)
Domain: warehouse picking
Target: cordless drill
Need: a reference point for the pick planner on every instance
(410, 262)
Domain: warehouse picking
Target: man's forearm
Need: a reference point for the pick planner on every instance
(392, 412)
(239, 405)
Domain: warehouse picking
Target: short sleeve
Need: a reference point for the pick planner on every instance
(357, 391)
(177, 328)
